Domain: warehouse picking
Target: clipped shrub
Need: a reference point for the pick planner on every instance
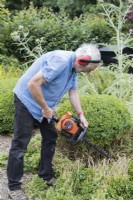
(108, 117)
(6, 104)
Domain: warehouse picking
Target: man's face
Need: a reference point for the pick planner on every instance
(85, 69)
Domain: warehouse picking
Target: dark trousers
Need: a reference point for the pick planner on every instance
(23, 126)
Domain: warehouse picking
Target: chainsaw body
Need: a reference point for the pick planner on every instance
(70, 127)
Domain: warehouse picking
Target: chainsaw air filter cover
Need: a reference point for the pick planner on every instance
(70, 126)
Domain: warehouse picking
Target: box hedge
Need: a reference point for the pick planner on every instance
(6, 104)
(108, 117)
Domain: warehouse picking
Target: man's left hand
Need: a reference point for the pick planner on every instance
(83, 121)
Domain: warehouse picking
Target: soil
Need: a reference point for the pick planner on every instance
(5, 143)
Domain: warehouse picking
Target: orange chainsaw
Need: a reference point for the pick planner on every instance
(70, 126)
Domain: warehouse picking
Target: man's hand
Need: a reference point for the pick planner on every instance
(48, 113)
(83, 121)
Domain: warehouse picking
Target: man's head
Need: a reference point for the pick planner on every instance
(88, 58)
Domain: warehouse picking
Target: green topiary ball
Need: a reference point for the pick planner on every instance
(108, 117)
(6, 104)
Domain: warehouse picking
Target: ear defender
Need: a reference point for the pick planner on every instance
(85, 60)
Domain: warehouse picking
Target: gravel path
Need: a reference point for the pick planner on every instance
(5, 142)
(3, 185)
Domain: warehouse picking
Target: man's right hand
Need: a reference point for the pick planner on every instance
(48, 113)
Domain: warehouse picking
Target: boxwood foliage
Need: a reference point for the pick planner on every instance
(108, 117)
(6, 104)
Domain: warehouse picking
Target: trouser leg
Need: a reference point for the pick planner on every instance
(49, 137)
(23, 125)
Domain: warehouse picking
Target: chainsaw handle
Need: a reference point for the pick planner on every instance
(55, 118)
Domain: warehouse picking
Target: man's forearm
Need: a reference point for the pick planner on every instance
(34, 86)
(36, 92)
(75, 101)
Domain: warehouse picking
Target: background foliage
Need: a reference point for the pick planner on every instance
(35, 31)
(39, 29)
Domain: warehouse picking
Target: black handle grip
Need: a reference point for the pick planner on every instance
(55, 118)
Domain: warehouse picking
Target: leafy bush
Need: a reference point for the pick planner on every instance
(55, 31)
(100, 32)
(120, 188)
(8, 61)
(108, 117)
(37, 31)
(6, 104)
(4, 18)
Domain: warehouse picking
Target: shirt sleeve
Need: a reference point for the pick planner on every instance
(75, 83)
(53, 67)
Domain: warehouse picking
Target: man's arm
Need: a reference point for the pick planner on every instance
(34, 86)
(75, 101)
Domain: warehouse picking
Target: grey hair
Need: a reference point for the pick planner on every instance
(90, 50)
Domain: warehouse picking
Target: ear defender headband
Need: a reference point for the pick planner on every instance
(85, 60)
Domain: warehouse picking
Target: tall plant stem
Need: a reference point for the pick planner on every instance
(88, 82)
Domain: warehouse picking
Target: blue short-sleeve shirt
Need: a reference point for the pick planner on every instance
(57, 69)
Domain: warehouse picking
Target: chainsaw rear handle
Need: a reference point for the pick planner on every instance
(55, 118)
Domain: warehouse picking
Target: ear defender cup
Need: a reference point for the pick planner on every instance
(84, 60)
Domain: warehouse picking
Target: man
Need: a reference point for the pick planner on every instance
(35, 96)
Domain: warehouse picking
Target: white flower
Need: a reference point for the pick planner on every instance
(20, 27)
(15, 36)
(37, 40)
